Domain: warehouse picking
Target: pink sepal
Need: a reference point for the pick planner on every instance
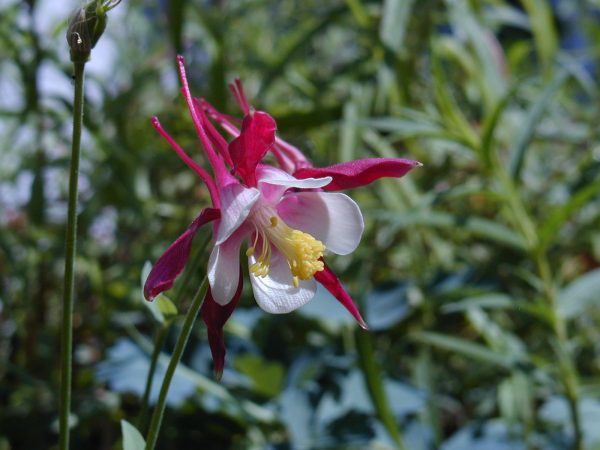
(173, 260)
(215, 316)
(331, 282)
(358, 173)
(255, 139)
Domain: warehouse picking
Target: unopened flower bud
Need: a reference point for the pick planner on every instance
(86, 26)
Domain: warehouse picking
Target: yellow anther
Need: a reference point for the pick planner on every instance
(301, 250)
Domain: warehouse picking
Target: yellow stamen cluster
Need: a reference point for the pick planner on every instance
(302, 251)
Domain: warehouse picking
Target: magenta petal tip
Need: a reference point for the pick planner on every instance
(180, 59)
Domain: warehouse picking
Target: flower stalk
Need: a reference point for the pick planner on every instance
(84, 30)
(159, 340)
(70, 249)
(182, 340)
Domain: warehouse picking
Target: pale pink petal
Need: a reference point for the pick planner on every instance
(328, 279)
(236, 203)
(275, 176)
(332, 218)
(273, 182)
(224, 267)
(171, 263)
(276, 293)
(360, 172)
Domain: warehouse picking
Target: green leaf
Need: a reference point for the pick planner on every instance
(132, 439)
(474, 225)
(394, 21)
(490, 76)
(267, 376)
(562, 213)
(162, 308)
(488, 301)
(535, 113)
(580, 295)
(542, 24)
(293, 43)
(466, 348)
(490, 124)
(407, 128)
(449, 109)
(495, 336)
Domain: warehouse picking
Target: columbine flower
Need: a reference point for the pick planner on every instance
(285, 216)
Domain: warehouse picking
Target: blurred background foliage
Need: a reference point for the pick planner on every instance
(478, 273)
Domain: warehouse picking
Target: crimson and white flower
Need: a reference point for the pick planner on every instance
(287, 217)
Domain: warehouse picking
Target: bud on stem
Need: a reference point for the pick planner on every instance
(86, 26)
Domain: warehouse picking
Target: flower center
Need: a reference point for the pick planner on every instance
(302, 251)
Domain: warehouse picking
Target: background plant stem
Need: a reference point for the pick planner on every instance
(70, 249)
(161, 334)
(568, 371)
(182, 340)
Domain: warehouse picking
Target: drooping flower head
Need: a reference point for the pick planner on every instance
(286, 218)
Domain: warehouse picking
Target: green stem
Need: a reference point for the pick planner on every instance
(568, 372)
(182, 340)
(374, 381)
(161, 334)
(70, 248)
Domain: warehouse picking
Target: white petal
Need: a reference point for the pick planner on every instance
(224, 268)
(272, 175)
(331, 217)
(236, 203)
(276, 293)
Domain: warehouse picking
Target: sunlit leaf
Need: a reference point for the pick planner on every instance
(132, 438)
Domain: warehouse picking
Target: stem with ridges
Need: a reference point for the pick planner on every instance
(70, 249)
(182, 340)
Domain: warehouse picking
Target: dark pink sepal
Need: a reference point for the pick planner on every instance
(173, 260)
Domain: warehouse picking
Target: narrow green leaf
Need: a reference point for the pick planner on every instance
(579, 295)
(487, 301)
(544, 33)
(474, 225)
(490, 76)
(496, 338)
(394, 20)
(132, 438)
(489, 127)
(295, 42)
(532, 119)
(359, 12)
(466, 348)
(349, 132)
(449, 109)
(562, 213)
